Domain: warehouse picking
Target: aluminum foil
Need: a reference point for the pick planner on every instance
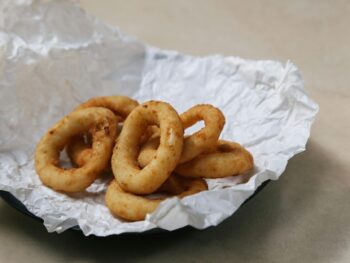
(54, 56)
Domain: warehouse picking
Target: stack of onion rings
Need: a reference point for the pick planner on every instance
(151, 154)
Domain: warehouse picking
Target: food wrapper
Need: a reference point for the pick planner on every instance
(53, 56)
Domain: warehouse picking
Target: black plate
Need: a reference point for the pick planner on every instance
(15, 203)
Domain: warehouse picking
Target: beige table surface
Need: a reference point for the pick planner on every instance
(303, 217)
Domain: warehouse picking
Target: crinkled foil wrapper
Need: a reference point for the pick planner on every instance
(54, 56)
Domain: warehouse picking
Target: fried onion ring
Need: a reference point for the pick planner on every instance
(135, 208)
(102, 125)
(172, 186)
(78, 151)
(120, 105)
(124, 159)
(228, 159)
(195, 144)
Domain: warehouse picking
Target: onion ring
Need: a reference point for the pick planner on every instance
(78, 151)
(101, 123)
(228, 159)
(135, 208)
(124, 159)
(173, 185)
(120, 105)
(195, 144)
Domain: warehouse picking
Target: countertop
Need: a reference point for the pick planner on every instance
(304, 216)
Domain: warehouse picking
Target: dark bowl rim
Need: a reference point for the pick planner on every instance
(12, 201)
